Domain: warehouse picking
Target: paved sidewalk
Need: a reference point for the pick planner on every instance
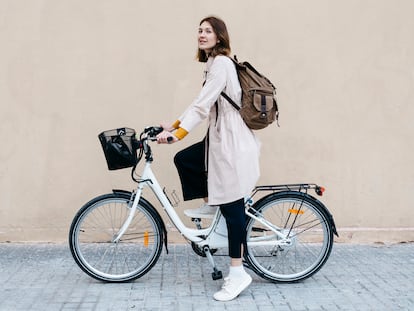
(356, 277)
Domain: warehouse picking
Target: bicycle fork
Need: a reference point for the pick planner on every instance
(135, 199)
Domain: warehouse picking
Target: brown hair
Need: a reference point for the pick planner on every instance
(223, 45)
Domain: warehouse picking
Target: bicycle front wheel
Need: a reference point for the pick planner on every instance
(92, 233)
(303, 245)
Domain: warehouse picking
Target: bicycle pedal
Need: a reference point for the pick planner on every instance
(217, 275)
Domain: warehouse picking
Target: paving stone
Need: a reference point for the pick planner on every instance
(356, 277)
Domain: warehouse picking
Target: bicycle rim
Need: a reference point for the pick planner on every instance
(309, 242)
(93, 231)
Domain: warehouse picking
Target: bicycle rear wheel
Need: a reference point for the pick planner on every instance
(94, 228)
(309, 233)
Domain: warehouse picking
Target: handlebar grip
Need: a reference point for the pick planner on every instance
(170, 139)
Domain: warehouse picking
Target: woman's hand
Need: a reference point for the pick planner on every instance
(162, 138)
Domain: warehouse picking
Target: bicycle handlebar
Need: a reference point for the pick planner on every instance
(153, 131)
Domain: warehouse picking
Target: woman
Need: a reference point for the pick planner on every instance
(230, 149)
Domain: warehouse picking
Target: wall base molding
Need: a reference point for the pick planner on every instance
(357, 235)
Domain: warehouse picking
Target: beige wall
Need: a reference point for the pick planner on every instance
(70, 69)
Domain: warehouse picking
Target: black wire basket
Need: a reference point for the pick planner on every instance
(119, 147)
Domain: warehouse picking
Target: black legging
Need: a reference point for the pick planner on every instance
(236, 226)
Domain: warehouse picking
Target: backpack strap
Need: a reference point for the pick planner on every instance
(227, 97)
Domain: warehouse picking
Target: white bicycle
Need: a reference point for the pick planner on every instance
(118, 237)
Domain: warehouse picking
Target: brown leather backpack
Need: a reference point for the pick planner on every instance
(258, 104)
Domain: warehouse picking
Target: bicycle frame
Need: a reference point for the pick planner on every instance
(211, 236)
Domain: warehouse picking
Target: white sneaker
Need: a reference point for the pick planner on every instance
(232, 287)
(204, 211)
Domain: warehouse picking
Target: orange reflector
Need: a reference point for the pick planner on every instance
(146, 235)
(295, 211)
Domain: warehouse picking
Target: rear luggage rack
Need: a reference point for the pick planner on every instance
(290, 187)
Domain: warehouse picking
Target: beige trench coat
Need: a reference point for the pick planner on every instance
(233, 149)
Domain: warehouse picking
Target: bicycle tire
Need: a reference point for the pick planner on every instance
(94, 227)
(309, 227)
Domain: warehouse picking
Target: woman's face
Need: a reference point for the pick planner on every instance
(207, 38)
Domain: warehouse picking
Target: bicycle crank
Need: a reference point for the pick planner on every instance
(217, 274)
